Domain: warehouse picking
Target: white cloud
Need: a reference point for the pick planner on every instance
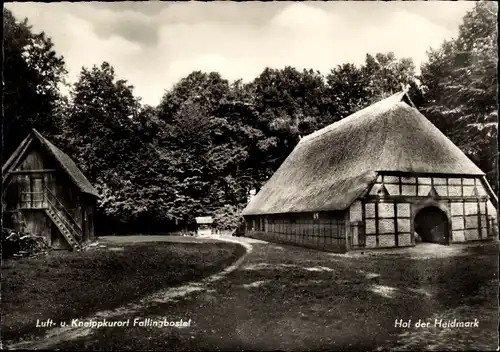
(301, 16)
(165, 43)
(92, 50)
(407, 35)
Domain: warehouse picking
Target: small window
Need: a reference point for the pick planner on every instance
(37, 192)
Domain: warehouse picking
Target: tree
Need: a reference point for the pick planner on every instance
(205, 88)
(208, 154)
(352, 88)
(288, 105)
(384, 74)
(460, 88)
(32, 73)
(99, 123)
(105, 130)
(347, 89)
(209, 137)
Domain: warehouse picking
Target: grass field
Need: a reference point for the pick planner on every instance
(64, 285)
(289, 298)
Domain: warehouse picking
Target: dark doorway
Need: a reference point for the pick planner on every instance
(431, 225)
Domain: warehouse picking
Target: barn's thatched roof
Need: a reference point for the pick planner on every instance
(331, 167)
(61, 158)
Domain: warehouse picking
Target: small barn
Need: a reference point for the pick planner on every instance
(44, 193)
(382, 177)
(204, 225)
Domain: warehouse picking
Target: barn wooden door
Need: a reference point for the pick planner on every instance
(432, 225)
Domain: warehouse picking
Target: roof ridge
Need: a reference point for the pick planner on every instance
(384, 105)
(9, 163)
(64, 160)
(338, 166)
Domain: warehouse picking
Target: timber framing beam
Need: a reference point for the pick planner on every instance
(22, 172)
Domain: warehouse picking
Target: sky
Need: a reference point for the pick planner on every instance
(154, 44)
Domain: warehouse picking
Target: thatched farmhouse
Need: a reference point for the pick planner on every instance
(382, 177)
(44, 193)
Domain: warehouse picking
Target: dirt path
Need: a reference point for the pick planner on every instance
(62, 334)
(280, 297)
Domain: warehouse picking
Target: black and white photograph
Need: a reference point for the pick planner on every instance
(250, 176)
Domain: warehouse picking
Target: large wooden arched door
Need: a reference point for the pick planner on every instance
(432, 225)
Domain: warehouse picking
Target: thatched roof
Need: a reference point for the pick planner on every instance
(331, 167)
(61, 158)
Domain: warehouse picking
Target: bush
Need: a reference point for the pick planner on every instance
(240, 230)
(227, 218)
